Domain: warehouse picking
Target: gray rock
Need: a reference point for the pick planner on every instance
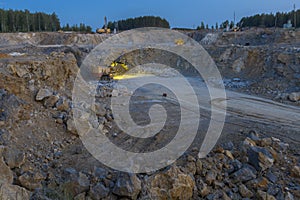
(14, 157)
(42, 94)
(98, 191)
(13, 192)
(260, 158)
(245, 174)
(295, 96)
(127, 185)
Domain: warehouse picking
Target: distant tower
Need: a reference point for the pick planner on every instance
(105, 23)
(295, 17)
(234, 19)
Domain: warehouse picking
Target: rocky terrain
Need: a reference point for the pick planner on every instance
(264, 62)
(42, 157)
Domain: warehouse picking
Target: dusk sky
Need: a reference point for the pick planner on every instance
(180, 13)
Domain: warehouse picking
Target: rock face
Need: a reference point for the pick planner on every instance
(171, 184)
(13, 192)
(127, 185)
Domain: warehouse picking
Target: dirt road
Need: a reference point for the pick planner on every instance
(242, 111)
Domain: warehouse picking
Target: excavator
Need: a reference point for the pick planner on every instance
(115, 68)
(105, 29)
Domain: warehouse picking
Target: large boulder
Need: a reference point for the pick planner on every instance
(172, 184)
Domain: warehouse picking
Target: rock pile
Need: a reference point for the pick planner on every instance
(260, 168)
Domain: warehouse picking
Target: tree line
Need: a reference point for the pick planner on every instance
(223, 25)
(81, 28)
(25, 21)
(270, 20)
(259, 20)
(138, 22)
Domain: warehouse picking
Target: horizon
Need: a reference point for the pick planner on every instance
(187, 14)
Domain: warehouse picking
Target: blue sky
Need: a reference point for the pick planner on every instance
(180, 13)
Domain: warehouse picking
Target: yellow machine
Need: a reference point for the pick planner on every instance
(103, 30)
(115, 68)
(179, 42)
